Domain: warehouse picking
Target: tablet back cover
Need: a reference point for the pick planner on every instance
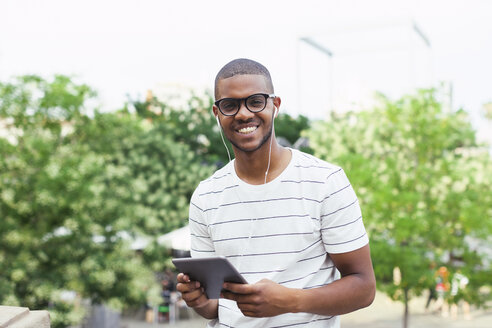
(211, 272)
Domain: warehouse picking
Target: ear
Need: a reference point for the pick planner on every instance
(276, 102)
(215, 110)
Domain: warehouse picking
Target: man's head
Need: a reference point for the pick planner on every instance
(244, 83)
(242, 66)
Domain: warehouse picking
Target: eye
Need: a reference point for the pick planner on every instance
(228, 105)
(256, 101)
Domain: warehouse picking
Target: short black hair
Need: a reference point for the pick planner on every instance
(243, 66)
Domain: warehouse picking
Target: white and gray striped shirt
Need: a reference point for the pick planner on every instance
(283, 231)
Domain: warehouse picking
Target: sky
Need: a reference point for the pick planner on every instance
(123, 48)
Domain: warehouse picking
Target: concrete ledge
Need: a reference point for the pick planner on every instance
(21, 317)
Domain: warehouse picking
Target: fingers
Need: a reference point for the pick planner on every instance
(241, 298)
(185, 285)
(228, 295)
(196, 298)
(239, 288)
(230, 292)
(185, 288)
(191, 291)
(245, 303)
(258, 300)
(182, 278)
(241, 293)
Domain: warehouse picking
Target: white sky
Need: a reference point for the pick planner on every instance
(121, 47)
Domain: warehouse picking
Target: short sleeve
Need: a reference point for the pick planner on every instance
(201, 242)
(342, 229)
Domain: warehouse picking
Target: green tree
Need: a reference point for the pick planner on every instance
(194, 125)
(73, 189)
(161, 172)
(424, 188)
(289, 127)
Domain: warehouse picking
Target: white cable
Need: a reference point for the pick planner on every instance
(223, 141)
(270, 151)
(269, 156)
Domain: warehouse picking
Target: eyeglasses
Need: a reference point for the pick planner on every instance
(254, 103)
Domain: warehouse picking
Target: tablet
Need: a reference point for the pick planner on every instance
(211, 272)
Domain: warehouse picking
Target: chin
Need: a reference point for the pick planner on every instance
(244, 148)
(249, 148)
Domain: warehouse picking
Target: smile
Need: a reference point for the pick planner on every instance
(247, 130)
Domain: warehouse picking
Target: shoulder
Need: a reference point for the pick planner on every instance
(328, 177)
(311, 165)
(220, 179)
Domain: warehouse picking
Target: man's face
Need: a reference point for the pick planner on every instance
(247, 131)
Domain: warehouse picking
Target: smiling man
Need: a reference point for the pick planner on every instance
(290, 223)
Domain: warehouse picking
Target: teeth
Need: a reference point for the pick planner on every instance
(247, 130)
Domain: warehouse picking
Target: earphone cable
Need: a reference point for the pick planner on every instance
(223, 141)
(270, 150)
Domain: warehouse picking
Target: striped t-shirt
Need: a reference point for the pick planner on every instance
(283, 231)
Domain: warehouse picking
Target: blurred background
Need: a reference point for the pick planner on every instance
(106, 129)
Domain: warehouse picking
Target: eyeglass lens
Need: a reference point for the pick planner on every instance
(254, 103)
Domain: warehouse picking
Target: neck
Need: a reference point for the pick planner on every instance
(251, 166)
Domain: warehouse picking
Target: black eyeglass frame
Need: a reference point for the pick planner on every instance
(239, 100)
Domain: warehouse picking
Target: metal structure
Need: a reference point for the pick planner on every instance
(331, 52)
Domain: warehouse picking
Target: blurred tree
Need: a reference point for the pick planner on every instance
(289, 127)
(487, 109)
(158, 174)
(73, 189)
(424, 187)
(194, 125)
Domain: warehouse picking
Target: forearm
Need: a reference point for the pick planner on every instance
(355, 290)
(348, 294)
(209, 310)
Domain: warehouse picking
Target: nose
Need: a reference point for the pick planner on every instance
(243, 113)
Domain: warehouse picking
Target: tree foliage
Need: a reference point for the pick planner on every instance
(74, 189)
(291, 128)
(424, 187)
(193, 124)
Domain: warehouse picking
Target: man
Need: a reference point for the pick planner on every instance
(289, 222)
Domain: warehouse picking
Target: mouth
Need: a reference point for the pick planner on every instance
(247, 130)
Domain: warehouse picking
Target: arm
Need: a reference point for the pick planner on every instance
(355, 290)
(194, 296)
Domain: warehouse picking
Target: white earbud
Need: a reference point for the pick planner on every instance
(276, 110)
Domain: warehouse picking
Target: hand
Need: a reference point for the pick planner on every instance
(263, 299)
(191, 291)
